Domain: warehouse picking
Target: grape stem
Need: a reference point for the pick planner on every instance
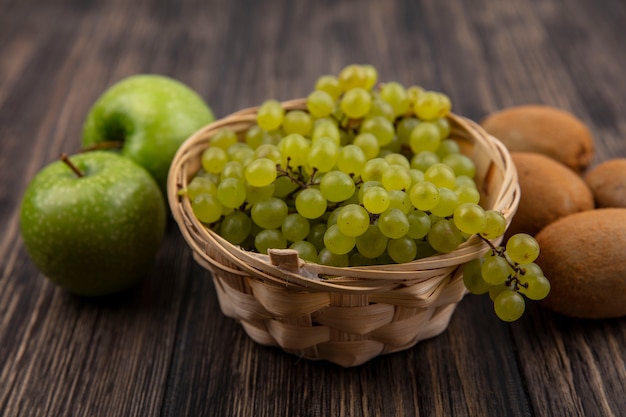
(499, 251)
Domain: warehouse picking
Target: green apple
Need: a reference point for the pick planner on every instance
(96, 230)
(151, 115)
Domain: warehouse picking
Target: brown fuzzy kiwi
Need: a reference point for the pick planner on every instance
(583, 256)
(549, 191)
(543, 129)
(607, 182)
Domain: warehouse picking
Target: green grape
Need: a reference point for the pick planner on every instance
(332, 217)
(413, 92)
(213, 160)
(256, 194)
(424, 137)
(496, 270)
(283, 186)
(357, 259)
(495, 290)
(200, 185)
(395, 94)
(269, 213)
(356, 103)
(256, 136)
(306, 251)
(402, 250)
(522, 248)
(430, 105)
(534, 284)
(269, 151)
(467, 194)
(470, 218)
(441, 175)
(223, 138)
(320, 103)
(371, 76)
(270, 115)
(351, 160)
(269, 239)
(372, 243)
(295, 149)
(424, 160)
(326, 257)
(366, 186)
(241, 153)
(424, 250)
(404, 128)
(444, 236)
(353, 76)
(380, 127)
(207, 208)
(460, 164)
(374, 169)
(395, 158)
(416, 175)
(353, 220)
(295, 227)
(310, 203)
(444, 127)
(495, 225)
(337, 186)
(424, 195)
(235, 227)
(393, 223)
(326, 129)
(261, 172)
(316, 235)
(376, 200)
(231, 192)
(337, 242)
(400, 200)
(396, 177)
(419, 224)
(323, 155)
(368, 144)
(473, 279)
(232, 169)
(330, 85)
(381, 108)
(297, 121)
(448, 202)
(509, 306)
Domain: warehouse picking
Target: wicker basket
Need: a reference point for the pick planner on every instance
(342, 315)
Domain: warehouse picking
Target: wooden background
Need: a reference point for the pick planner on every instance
(164, 349)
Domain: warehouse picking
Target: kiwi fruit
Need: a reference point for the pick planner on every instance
(553, 132)
(583, 257)
(607, 182)
(549, 191)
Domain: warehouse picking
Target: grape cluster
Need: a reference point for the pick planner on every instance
(367, 175)
(507, 273)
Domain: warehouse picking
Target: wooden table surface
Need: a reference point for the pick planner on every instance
(164, 348)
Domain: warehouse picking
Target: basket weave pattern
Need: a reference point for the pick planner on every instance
(343, 315)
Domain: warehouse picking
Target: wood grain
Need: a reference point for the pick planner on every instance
(164, 348)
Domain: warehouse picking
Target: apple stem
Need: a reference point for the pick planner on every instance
(109, 144)
(73, 167)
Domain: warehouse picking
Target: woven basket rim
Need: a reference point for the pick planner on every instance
(366, 279)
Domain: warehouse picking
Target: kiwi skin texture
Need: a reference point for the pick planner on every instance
(607, 182)
(547, 130)
(582, 255)
(549, 191)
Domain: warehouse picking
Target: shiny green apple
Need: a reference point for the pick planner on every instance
(150, 116)
(94, 231)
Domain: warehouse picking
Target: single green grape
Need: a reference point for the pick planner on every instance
(424, 160)
(535, 286)
(356, 103)
(270, 115)
(353, 220)
(337, 242)
(306, 251)
(419, 224)
(224, 138)
(351, 160)
(214, 159)
(522, 248)
(496, 270)
(269, 239)
(200, 185)
(424, 195)
(269, 213)
(405, 127)
(473, 279)
(430, 105)
(283, 186)
(353, 76)
(297, 121)
(374, 169)
(495, 225)
(261, 172)
(207, 208)
(330, 85)
(381, 108)
(444, 236)
(231, 192)
(323, 155)
(310, 203)
(337, 186)
(448, 202)
(402, 250)
(269, 151)
(316, 235)
(320, 103)
(448, 147)
(232, 169)
(470, 218)
(467, 194)
(256, 136)
(372, 243)
(380, 127)
(509, 306)
(256, 194)
(396, 177)
(326, 129)
(441, 175)
(295, 227)
(235, 227)
(368, 144)
(371, 76)
(460, 164)
(395, 94)
(326, 257)
(393, 223)
(424, 137)
(294, 148)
